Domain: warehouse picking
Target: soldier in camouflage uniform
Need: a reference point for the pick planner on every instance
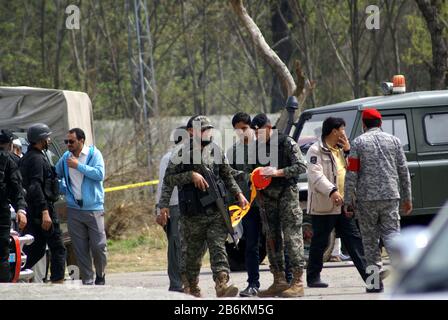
(280, 203)
(377, 178)
(201, 225)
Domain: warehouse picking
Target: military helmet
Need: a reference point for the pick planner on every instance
(38, 132)
(6, 136)
(204, 121)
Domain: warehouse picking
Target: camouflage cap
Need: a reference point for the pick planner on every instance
(204, 121)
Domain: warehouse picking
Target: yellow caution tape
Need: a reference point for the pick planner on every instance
(236, 212)
(134, 185)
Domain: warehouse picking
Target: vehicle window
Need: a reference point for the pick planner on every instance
(397, 126)
(436, 128)
(312, 128)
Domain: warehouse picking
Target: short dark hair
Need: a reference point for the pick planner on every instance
(331, 123)
(372, 123)
(79, 133)
(241, 117)
(259, 121)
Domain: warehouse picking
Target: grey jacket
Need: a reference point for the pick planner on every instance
(377, 169)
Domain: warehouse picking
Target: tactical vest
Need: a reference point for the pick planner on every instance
(190, 196)
(283, 162)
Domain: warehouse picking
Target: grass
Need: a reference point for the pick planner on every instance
(145, 251)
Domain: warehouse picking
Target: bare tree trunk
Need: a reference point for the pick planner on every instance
(431, 11)
(285, 77)
(252, 59)
(289, 86)
(282, 44)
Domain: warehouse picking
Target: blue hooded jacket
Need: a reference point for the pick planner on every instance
(92, 184)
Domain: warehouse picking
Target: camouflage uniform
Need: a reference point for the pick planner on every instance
(207, 227)
(281, 204)
(377, 178)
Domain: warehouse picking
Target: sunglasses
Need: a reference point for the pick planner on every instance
(69, 141)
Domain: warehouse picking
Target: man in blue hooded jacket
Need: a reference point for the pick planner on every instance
(81, 170)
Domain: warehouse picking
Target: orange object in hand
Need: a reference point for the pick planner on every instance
(260, 181)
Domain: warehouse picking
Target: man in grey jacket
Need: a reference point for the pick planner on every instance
(377, 179)
(326, 172)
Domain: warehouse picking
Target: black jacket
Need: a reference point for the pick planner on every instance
(36, 170)
(11, 191)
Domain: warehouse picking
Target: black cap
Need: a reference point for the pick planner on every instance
(7, 136)
(259, 121)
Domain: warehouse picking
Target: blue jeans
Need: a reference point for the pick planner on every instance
(252, 231)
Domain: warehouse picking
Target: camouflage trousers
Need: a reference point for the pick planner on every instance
(284, 218)
(377, 220)
(200, 232)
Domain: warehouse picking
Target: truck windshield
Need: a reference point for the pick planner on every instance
(312, 127)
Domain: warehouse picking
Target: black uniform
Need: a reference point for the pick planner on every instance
(10, 192)
(40, 182)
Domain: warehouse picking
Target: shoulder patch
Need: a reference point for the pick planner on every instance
(313, 159)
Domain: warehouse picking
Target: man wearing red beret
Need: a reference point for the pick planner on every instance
(377, 180)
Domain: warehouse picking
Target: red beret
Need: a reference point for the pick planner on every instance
(371, 114)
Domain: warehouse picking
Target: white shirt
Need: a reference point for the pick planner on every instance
(174, 200)
(76, 177)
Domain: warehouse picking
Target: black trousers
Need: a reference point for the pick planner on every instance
(252, 230)
(350, 236)
(53, 238)
(5, 226)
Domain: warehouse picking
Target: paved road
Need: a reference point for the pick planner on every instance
(345, 284)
